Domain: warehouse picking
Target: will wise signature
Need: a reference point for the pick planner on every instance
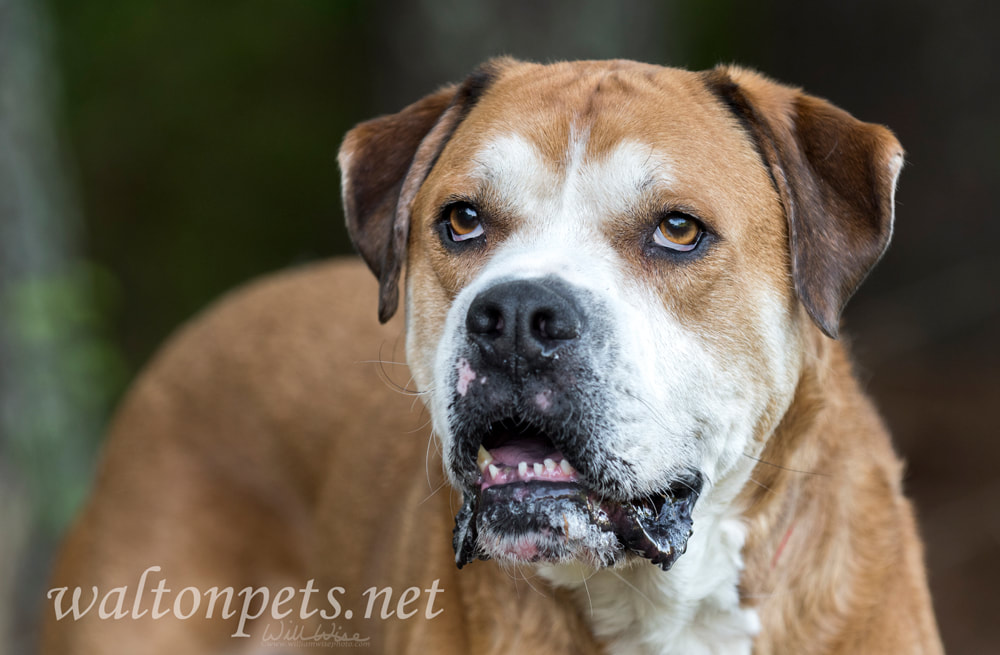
(294, 631)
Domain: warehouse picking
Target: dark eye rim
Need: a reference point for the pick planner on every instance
(446, 234)
(674, 249)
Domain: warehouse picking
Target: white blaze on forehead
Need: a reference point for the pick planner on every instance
(583, 186)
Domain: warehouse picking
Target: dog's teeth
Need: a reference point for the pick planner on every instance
(550, 465)
(494, 471)
(538, 468)
(522, 469)
(566, 468)
(484, 459)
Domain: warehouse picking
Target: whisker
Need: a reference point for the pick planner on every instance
(785, 468)
(418, 394)
(652, 410)
(590, 600)
(632, 586)
(427, 461)
(655, 416)
(381, 361)
(528, 582)
(433, 493)
(420, 427)
(681, 481)
(668, 617)
(383, 373)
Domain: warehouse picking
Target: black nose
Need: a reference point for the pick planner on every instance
(526, 319)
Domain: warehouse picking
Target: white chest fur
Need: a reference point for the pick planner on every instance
(693, 609)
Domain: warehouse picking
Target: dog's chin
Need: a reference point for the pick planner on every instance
(542, 521)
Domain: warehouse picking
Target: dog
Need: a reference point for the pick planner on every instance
(623, 288)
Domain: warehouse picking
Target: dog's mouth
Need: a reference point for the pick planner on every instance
(529, 504)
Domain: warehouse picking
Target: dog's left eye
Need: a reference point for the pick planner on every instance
(678, 232)
(463, 222)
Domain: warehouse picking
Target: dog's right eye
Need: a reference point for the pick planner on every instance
(463, 222)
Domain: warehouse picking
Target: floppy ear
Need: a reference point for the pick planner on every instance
(836, 177)
(383, 162)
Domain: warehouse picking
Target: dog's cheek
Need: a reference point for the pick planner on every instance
(426, 315)
(757, 371)
(654, 388)
(434, 348)
(695, 396)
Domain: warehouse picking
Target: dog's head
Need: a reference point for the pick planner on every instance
(612, 273)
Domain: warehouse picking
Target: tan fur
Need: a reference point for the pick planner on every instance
(262, 446)
(849, 577)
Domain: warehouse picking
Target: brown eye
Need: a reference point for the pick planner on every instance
(463, 222)
(678, 232)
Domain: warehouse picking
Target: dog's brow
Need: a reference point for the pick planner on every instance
(582, 185)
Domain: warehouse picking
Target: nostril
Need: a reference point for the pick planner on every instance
(540, 324)
(485, 319)
(547, 325)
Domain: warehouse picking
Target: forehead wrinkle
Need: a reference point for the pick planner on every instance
(620, 180)
(584, 187)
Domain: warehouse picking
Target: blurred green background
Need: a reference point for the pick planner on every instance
(156, 155)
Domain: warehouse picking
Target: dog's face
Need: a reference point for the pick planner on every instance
(612, 272)
(587, 292)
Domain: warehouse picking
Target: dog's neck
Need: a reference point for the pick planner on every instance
(703, 605)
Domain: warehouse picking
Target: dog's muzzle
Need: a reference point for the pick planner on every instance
(530, 417)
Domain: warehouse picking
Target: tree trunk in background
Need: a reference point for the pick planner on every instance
(46, 435)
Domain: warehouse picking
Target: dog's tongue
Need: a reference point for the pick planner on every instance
(660, 537)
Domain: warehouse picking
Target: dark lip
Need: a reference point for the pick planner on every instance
(655, 527)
